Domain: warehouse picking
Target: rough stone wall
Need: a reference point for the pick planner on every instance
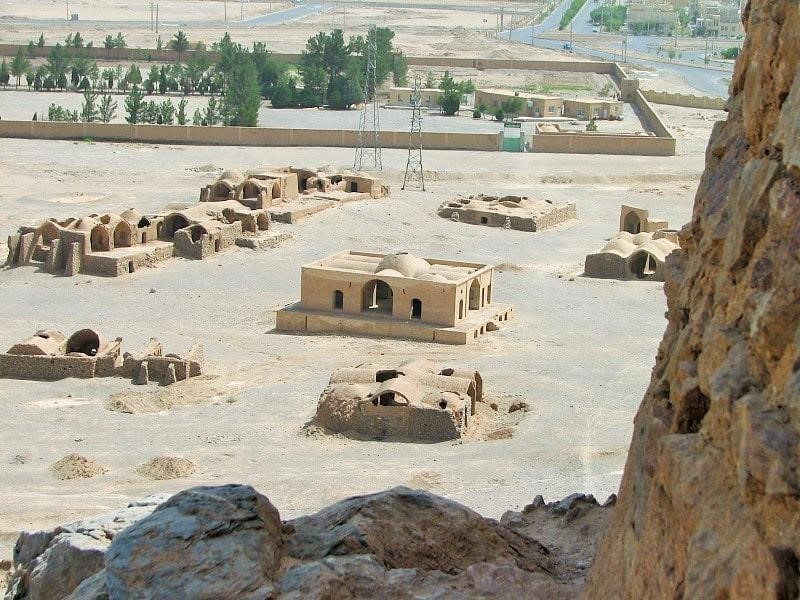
(710, 498)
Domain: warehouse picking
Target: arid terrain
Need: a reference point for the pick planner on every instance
(585, 346)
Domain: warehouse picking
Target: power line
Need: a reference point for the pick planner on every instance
(414, 171)
(368, 151)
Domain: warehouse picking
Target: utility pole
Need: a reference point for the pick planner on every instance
(571, 48)
(414, 170)
(225, 8)
(369, 125)
(156, 17)
(151, 17)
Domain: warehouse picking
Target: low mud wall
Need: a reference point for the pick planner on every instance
(598, 143)
(686, 100)
(238, 136)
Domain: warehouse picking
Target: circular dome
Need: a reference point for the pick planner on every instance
(231, 175)
(622, 235)
(641, 238)
(86, 224)
(131, 215)
(389, 273)
(404, 263)
(620, 246)
(429, 276)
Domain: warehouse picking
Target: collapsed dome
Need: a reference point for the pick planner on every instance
(402, 262)
(86, 341)
(231, 175)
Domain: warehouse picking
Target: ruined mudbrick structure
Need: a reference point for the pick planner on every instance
(49, 355)
(637, 251)
(291, 193)
(511, 212)
(396, 295)
(117, 244)
(417, 401)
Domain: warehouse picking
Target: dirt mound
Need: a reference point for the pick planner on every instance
(75, 466)
(183, 393)
(167, 467)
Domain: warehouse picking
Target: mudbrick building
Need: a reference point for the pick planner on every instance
(417, 401)
(396, 295)
(291, 194)
(511, 212)
(637, 251)
(118, 244)
(49, 355)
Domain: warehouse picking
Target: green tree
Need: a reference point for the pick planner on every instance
(19, 65)
(430, 80)
(181, 116)
(134, 75)
(166, 113)
(211, 114)
(5, 73)
(284, 95)
(108, 76)
(452, 93)
(728, 53)
(512, 106)
(197, 118)
(162, 81)
(591, 125)
(499, 115)
(29, 77)
(345, 92)
(325, 56)
(89, 108)
(61, 81)
(75, 77)
(269, 68)
(31, 49)
(108, 42)
(57, 61)
(180, 43)
(77, 40)
(84, 84)
(159, 43)
(119, 41)
(242, 96)
(400, 70)
(107, 109)
(40, 43)
(133, 105)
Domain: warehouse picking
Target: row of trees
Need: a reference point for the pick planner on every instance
(574, 8)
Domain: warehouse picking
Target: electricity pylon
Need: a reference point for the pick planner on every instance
(414, 171)
(368, 151)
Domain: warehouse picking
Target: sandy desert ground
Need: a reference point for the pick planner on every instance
(579, 351)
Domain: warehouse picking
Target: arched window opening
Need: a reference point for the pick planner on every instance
(416, 308)
(338, 300)
(475, 295)
(378, 298)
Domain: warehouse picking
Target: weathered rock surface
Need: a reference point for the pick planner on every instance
(51, 563)
(228, 542)
(710, 498)
(205, 542)
(406, 528)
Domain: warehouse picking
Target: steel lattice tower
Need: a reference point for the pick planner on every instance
(414, 171)
(368, 152)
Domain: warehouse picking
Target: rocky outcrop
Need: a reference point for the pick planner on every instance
(205, 542)
(711, 491)
(228, 542)
(51, 563)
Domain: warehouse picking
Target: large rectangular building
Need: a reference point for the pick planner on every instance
(533, 105)
(401, 96)
(586, 109)
(395, 295)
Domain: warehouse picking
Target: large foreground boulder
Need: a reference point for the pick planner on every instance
(228, 542)
(710, 497)
(205, 542)
(406, 528)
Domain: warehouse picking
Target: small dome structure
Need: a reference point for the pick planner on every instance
(404, 263)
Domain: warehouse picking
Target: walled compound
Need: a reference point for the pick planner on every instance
(637, 251)
(396, 295)
(511, 212)
(49, 355)
(291, 194)
(417, 401)
(117, 244)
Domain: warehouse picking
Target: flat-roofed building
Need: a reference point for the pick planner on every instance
(533, 105)
(396, 295)
(586, 109)
(401, 96)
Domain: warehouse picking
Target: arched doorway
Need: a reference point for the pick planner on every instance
(643, 265)
(122, 235)
(416, 308)
(338, 300)
(276, 190)
(461, 309)
(377, 298)
(475, 295)
(99, 239)
(172, 224)
(632, 223)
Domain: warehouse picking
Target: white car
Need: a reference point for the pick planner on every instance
(594, 30)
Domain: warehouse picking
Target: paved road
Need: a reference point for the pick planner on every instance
(290, 14)
(709, 81)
